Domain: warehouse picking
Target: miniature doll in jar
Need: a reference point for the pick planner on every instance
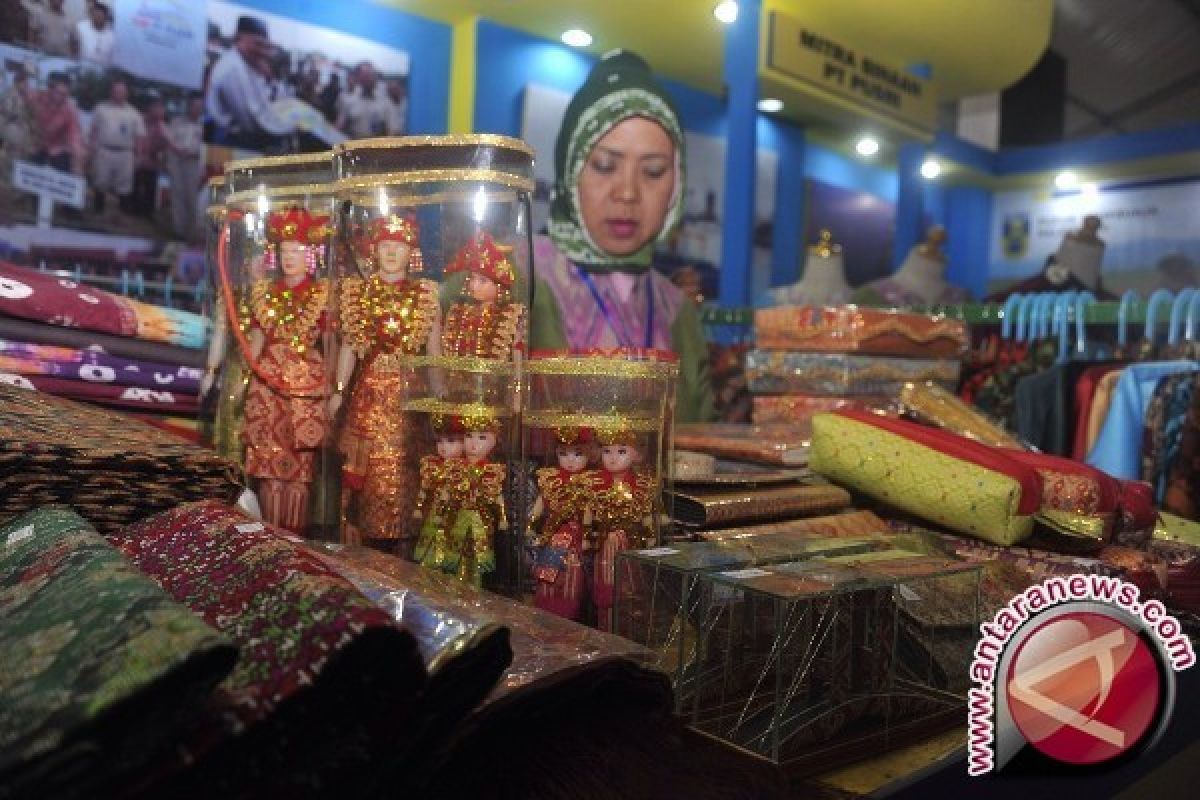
(383, 319)
(285, 405)
(561, 504)
(488, 324)
(475, 501)
(621, 506)
(436, 472)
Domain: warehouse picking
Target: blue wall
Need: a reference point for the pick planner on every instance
(426, 42)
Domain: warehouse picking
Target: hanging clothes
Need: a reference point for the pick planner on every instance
(1118, 450)
(1182, 495)
(1086, 397)
(1163, 429)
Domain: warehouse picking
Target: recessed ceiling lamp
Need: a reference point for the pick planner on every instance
(867, 146)
(1066, 180)
(770, 105)
(576, 38)
(726, 12)
(930, 169)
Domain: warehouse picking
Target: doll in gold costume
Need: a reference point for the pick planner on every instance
(487, 324)
(383, 319)
(474, 506)
(561, 505)
(621, 506)
(436, 471)
(285, 405)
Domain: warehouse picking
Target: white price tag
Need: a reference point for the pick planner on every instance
(18, 536)
(249, 527)
(659, 551)
(908, 594)
(741, 574)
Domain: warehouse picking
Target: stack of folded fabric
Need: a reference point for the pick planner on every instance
(111, 469)
(811, 360)
(82, 343)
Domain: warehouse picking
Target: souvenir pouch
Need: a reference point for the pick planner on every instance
(946, 479)
(839, 374)
(849, 329)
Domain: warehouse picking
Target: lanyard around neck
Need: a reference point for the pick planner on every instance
(615, 324)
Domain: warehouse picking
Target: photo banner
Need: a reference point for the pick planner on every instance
(1151, 232)
(157, 38)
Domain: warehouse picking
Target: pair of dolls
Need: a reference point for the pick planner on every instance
(382, 317)
(460, 504)
(589, 514)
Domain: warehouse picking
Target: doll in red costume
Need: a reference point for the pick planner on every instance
(563, 494)
(285, 416)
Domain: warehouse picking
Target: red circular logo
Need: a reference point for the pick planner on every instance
(1084, 688)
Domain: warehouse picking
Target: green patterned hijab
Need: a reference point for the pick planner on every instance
(619, 87)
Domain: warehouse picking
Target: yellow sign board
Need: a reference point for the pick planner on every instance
(819, 64)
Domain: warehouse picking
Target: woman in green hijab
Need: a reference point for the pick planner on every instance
(618, 192)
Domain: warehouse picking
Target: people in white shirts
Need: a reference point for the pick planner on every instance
(94, 39)
(117, 130)
(238, 103)
(368, 110)
(185, 165)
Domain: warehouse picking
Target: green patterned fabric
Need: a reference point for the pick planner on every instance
(99, 667)
(619, 87)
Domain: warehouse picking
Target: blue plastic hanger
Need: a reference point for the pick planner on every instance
(1062, 317)
(1130, 297)
(1024, 311)
(1160, 296)
(1010, 309)
(1045, 317)
(1193, 313)
(1084, 300)
(1176, 325)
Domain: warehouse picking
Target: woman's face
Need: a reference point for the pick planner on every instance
(292, 261)
(478, 445)
(482, 288)
(626, 186)
(393, 257)
(450, 446)
(572, 458)
(619, 458)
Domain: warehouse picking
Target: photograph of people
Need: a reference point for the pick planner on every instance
(59, 132)
(94, 39)
(368, 110)
(238, 102)
(185, 165)
(117, 131)
(50, 27)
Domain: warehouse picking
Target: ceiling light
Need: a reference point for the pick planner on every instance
(1090, 189)
(576, 38)
(1066, 180)
(770, 105)
(930, 169)
(867, 146)
(726, 12)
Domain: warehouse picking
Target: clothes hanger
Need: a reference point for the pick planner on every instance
(1010, 310)
(1084, 300)
(1175, 327)
(1062, 314)
(1023, 311)
(1045, 314)
(1157, 298)
(1130, 297)
(1193, 312)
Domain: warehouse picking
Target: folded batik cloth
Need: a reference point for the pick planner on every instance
(774, 445)
(849, 329)
(782, 372)
(111, 395)
(850, 524)
(23, 330)
(992, 493)
(94, 366)
(327, 683)
(60, 301)
(935, 406)
(585, 700)
(112, 469)
(799, 409)
(707, 508)
(99, 668)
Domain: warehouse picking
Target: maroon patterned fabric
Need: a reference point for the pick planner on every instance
(107, 394)
(326, 681)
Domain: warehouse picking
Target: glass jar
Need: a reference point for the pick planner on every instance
(433, 277)
(274, 268)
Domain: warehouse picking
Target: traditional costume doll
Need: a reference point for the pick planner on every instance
(489, 324)
(285, 406)
(475, 501)
(561, 505)
(621, 506)
(383, 319)
(436, 472)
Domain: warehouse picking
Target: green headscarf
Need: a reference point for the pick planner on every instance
(619, 87)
